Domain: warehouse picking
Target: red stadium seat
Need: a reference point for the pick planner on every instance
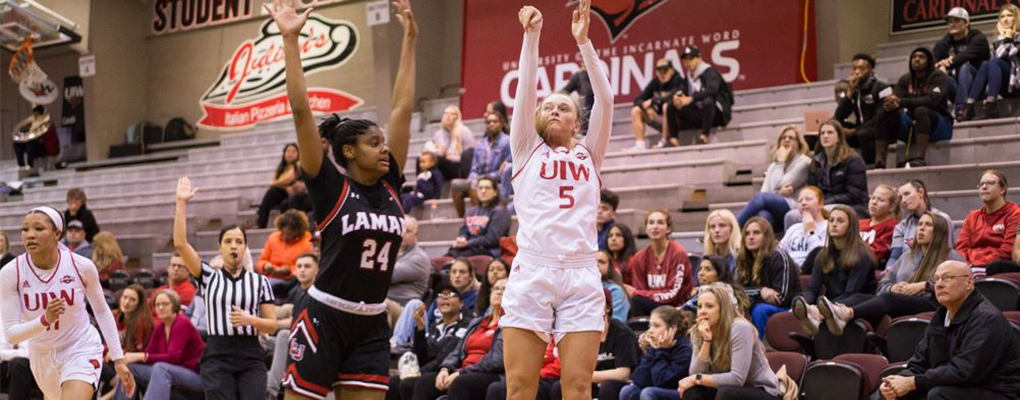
(893, 369)
(902, 337)
(439, 263)
(855, 339)
(1002, 293)
(480, 264)
(794, 362)
(872, 366)
(1009, 276)
(832, 380)
(778, 330)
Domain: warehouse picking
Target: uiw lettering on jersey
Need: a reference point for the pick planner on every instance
(38, 288)
(373, 221)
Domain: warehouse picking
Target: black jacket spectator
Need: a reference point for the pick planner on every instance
(847, 182)
(842, 283)
(929, 91)
(434, 347)
(864, 103)
(778, 272)
(713, 85)
(972, 49)
(87, 219)
(977, 349)
(492, 361)
(483, 227)
(660, 93)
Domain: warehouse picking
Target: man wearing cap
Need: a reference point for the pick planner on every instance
(960, 54)
(75, 239)
(707, 104)
(648, 106)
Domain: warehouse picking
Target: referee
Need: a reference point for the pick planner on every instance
(239, 306)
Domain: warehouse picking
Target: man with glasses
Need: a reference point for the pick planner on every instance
(960, 54)
(178, 280)
(648, 106)
(969, 350)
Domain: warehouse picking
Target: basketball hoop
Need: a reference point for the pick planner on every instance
(23, 69)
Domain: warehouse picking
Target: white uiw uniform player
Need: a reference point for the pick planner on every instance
(555, 287)
(42, 295)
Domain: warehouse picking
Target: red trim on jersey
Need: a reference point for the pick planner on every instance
(17, 271)
(394, 194)
(336, 207)
(55, 268)
(532, 155)
(365, 377)
(309, 328)
(75, 265)
(598, 168)
(298, 381)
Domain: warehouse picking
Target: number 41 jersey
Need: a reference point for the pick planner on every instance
(362, 228)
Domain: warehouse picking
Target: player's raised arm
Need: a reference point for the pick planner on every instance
(601, 117)
(522, 127)
(399, 133)
(290, 23)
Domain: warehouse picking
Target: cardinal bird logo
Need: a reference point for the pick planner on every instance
(619, 15)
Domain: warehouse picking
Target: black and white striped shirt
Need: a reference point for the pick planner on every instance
(221, 292)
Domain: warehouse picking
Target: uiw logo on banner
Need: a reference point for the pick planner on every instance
(250, 87)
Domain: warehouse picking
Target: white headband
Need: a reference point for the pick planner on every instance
(54, 215)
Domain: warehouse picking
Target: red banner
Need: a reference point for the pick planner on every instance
(242, 116)
(752, 43)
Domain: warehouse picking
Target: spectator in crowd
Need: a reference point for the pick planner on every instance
(172, 356)
(998, 71)
(74, 238)
(305, 270)
(707, 103)
(5, 249)
(959, 54)
(452, 138)
(78, 210)
(488, 157)
(618, 356)
(920, 95)
(605, 219)
(863, 101)
(484, 225)
(411, 272)
(784, 177)
(429, 184)
(805, 236)
(729, 360)
(462, 278)
(580, 82)
(433, 345)
(845, 267)
(989, 233)
(661, 273)
(506, 188)
(621, 246)
(667, 357)
(106, 255)
(298, 199)
(904, 289)
(498, 107)
(877, 231)
(476, 362)
(711, 269)
(133, 318)
(497, 269)
(15, 359)
(768, 274)
(969, 350)
(914, 201)
(238, 307)
(613, 284)
(178, 280)
(286, 174)
(648, 105)
(838, 170)
(282, 248)
(722, 237)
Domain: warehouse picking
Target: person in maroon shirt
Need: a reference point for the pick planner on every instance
(177, 279)
(661, 273)
(989, 233)
(877, 231)
(172, 357)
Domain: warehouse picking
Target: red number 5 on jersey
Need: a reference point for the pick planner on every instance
(372, 254)
(565, 194)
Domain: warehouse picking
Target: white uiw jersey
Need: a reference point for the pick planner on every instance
(37, 287)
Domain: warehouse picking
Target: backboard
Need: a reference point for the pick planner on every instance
(23, 18)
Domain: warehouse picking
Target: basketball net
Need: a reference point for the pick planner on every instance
(23, 68)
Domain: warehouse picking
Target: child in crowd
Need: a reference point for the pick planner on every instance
(667, 357)
(429, 185)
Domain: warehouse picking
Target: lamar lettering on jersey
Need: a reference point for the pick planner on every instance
(373, 221)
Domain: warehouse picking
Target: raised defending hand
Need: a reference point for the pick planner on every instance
(287, 18)
(579, 27)
(531, 19)
(402, 10)
(184, 190)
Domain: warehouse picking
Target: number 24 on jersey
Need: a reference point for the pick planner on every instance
(372, 255)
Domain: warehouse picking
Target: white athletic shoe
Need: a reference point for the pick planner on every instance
(802, 311)
(639, 145)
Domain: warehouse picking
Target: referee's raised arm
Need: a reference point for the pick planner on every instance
(188, 254)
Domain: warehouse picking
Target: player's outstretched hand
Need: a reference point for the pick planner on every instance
(579, 26)
(531, 18)
(127, 380)
(287, 19)
(184, 190)
(402, 11)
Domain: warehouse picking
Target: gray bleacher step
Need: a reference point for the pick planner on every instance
(182, 144)
(942, 177)
(786, 109)
(199, 206)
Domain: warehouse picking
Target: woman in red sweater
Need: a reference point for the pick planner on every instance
(661, 273)
(988, 234)
(172, 357)
(877, 231)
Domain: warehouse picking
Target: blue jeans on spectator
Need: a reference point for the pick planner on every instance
(760, 314)
(632, 392)
(403, 329)
(990, 74)
(770, 206)
(161, 378)
(942, 129)
(963, 83)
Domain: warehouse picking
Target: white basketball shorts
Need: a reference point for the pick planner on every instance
(553, 300)
(52, 368)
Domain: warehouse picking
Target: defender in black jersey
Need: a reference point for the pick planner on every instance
(340, 337)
